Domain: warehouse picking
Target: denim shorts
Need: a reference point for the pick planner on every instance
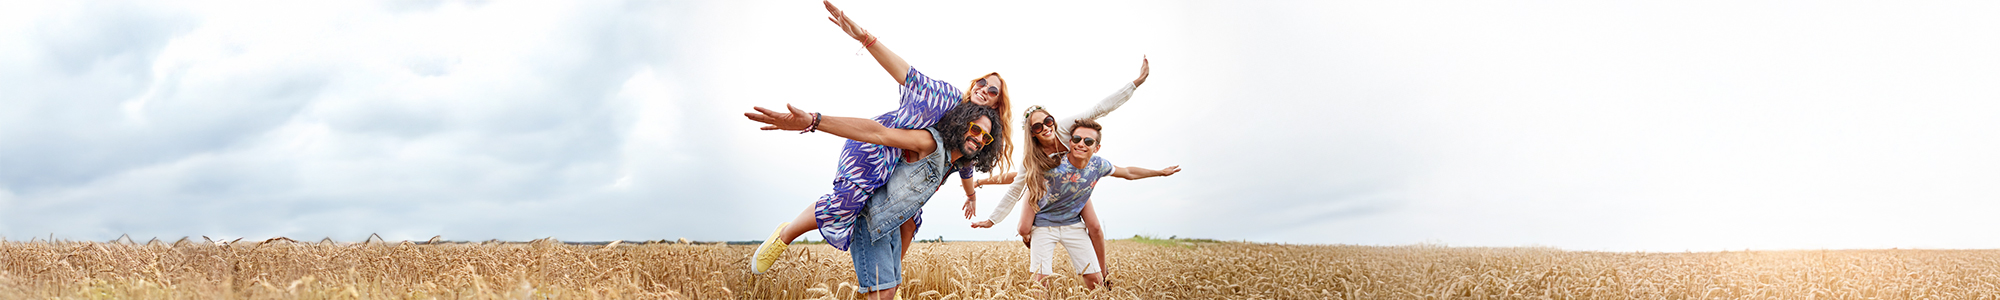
(878, 262)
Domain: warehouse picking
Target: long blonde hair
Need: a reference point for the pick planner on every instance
(1036, 160)
(1003, 106)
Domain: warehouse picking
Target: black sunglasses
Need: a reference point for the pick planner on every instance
(1045, 124)
(1087, 142)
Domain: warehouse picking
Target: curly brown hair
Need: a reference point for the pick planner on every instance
(953, 127)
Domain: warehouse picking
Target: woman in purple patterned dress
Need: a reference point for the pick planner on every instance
(864, 167)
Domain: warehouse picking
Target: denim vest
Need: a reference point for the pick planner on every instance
(909, 187)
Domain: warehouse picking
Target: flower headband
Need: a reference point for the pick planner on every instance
(1031, 110)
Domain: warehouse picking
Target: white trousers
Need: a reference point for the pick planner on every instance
(1073, 237)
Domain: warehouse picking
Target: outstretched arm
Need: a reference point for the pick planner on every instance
(1110, 103)
(1002, 178)
(973, 205)
(858, 129)
(1134, 173)
(1014, 195)
(889, 60)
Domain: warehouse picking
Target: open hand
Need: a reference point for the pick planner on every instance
(983, 224)
(794, 119)
(971, 206)
(1169, 171)
(846, 25)
(1145, 68)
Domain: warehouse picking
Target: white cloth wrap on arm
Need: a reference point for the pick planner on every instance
(1020, 186)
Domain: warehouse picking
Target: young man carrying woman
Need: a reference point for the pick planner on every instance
(964, 137)
(1058, 213)
(865, 166)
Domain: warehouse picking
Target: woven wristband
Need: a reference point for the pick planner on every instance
(864, 46)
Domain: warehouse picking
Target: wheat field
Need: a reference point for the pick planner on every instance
(1140, 268)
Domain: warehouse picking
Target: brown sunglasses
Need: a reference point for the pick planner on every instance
(990, 88)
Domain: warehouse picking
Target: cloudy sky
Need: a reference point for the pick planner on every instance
(1584, 125)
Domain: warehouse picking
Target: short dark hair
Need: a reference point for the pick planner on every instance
(953, 127)
(1087, 123)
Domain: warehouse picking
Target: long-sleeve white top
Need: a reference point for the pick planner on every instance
(1020, 186)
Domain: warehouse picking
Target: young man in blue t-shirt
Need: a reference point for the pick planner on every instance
(1058, 217)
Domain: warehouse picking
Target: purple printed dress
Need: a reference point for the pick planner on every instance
(865, 167)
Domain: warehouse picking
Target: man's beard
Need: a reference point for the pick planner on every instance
(956, 143)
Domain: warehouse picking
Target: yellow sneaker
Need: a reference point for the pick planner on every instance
(767, 254)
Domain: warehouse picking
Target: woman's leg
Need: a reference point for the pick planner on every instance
(799, 226)
(768, 253)
(1096, 241)
(909, 230)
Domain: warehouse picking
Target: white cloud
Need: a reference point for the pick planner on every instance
(335, 119)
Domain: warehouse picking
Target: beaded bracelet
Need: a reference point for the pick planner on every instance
(814, 126)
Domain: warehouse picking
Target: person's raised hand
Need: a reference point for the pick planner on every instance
(971, 205)
(1145, 69)
(1169, 171)
(794, 120)
(846, 25)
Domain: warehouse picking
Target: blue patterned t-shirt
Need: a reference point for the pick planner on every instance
(1069, 190)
